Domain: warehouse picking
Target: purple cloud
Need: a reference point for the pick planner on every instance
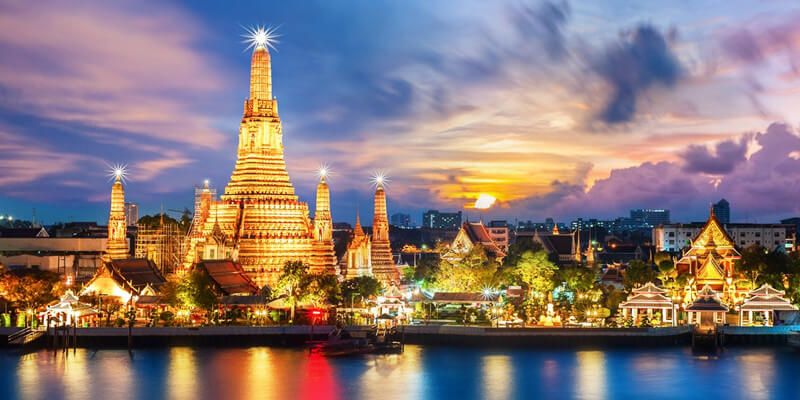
(724, 158)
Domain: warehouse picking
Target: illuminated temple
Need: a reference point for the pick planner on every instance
(710, 261)
(259, 221)
(117, 244)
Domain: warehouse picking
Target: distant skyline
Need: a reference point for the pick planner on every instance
(557, 109)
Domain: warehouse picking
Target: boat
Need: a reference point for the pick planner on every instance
(342, 342)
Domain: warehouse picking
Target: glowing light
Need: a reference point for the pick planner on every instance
(118, 172)
(379, 178)
(324, 171)
(484, 201)
(261, 37)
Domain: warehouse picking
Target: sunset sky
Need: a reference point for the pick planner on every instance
(561, 109)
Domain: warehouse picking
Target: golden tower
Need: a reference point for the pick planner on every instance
(324, 254)
(117, 244)
(259, 216)
(383, 267)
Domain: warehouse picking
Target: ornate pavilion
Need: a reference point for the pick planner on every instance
(646, 300)
(710, 262)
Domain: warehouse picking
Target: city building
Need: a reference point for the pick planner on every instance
(131, 214)
(650, 217)
(500, 233)
(259, 217)
(674, 237)
(441, 220)
(78, 257)
(722, 209)
(401, 220)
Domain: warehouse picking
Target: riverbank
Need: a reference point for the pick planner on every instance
(450, 335)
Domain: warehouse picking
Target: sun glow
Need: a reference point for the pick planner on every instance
(484, 201)
(259, 36)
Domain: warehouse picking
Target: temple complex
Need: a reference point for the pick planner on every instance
(117, 244)
(710, 262)
(357, 261)
(259, 221)
(471, 234)
(382, 262)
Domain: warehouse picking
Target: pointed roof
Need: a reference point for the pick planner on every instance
(766, 290)
(357, 231)
(707, 300)
(649, 288)
(711, 270)
(712, 234)
(228, 277)
(476, 232)
(765, 303)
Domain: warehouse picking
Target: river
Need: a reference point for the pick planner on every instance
(419, 373)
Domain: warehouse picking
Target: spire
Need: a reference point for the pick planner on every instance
(380, 221)
(323, 225)
(357, 231)
(260, 75)
(117, 244)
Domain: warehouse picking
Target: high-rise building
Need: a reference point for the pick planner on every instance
(401, 220)
(650, 217)
(441, 220)
(131, 214)
(722, 209)
(259, 219)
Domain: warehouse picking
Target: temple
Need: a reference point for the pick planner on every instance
(710, 261)
(471, 234)
(357, 261)
(382, 262)
(259, 221)
(117, 244)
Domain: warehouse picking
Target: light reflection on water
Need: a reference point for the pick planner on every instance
(420, 373)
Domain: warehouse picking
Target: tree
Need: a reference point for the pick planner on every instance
(322, 289)
(665, 269)
(30, 288)
(536, 271)
(362, 286)
(518, 249)
(752, 263)
(196, 291)
(291, 284)
(578, 279)
(471, 273)
(638, 273)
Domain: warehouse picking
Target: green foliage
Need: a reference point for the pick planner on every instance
(661, 256)
(426, 270)
(614, 298)
(472, 273)
(517, 250)
(638, 273)
(196, 291)
(644, 322)
(5, 321)
(297, 285)
(31, 289)
(360, 287)
(535, 270)
(578, 279)
(21, 320)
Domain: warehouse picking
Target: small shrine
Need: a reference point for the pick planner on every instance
(68, 310)
(764, 301)
(649, 300)
(707, 310)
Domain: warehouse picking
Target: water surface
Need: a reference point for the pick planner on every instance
(419, 373)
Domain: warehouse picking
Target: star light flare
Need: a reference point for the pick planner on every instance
(259, 36)
(118, 171)
(379, 178)
(324, 171)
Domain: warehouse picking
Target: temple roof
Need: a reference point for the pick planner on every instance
(136, 273)
(556, 243)
(764, 303)
(713, 235)
(766, 290)
(711, 270)
(229, 278)
(707, 300)
(476, 233)
(647, 301)
(649, 288)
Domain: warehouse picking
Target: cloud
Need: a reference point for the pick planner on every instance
(547, 22)
(725, 156)
(642, 59)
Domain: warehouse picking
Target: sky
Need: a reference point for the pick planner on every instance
(557, 109)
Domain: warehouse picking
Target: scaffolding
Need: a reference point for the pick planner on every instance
(163, 245)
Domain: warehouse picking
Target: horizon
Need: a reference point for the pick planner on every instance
(563, 110)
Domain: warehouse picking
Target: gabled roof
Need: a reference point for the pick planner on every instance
(646, 301)
(707, 300)
(711, 270)
(475, 233)
(464, 297)
(138, 273)
(712, 234)
(763, 303)
(649, 288)
(228, 277)
(766, 290)
(555, 243)
(24, 233)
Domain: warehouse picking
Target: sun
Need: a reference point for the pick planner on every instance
(484, 201)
